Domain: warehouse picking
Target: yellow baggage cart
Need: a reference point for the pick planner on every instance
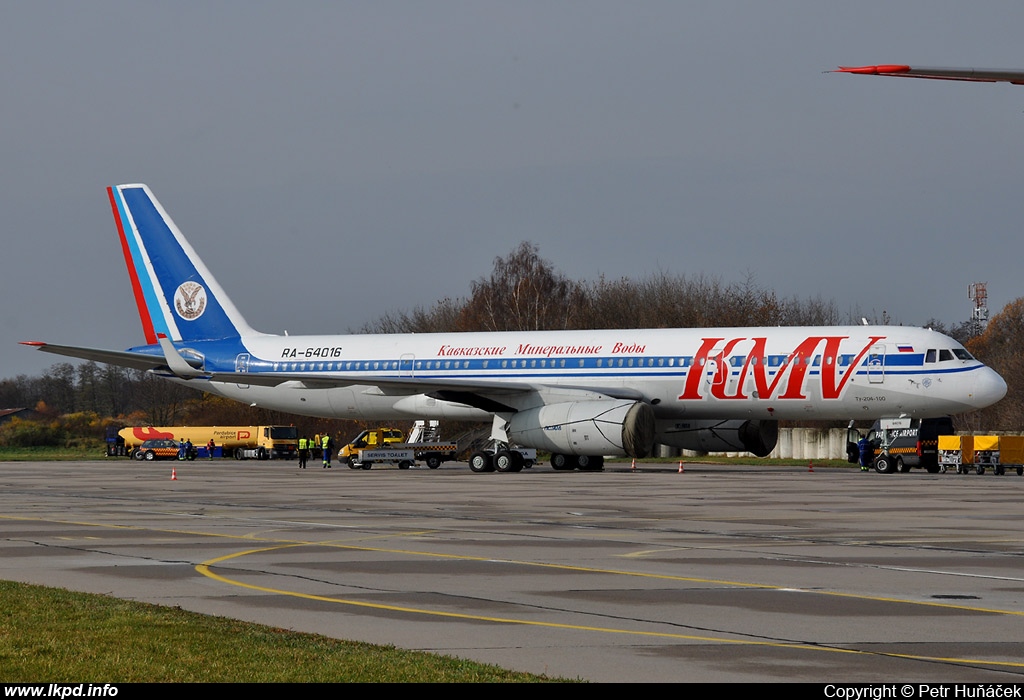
(1011, 454)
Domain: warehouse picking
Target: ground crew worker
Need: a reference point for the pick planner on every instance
(181, 450)
(210, 447)
(327, 444)
(303, 451)
(188, 450)
(864, 447)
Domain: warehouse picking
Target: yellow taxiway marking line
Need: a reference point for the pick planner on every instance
(204, 569)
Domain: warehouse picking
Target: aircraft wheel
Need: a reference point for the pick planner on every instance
(884, 465)
(506, 461)
(480, 462)
(587, 463)
(561, 463)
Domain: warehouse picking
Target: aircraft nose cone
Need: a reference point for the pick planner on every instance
(989, 387)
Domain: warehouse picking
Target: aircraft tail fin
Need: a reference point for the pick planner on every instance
(175, 292)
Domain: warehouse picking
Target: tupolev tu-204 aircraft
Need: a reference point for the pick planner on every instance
(580, 395)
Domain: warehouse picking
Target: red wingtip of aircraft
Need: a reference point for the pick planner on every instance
(33, 343)
(883, 69)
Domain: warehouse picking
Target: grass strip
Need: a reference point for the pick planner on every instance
(54, 635)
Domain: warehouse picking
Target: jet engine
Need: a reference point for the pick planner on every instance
(601, 427)
(758, 437)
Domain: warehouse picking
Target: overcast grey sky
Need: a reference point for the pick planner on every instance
(332, 161)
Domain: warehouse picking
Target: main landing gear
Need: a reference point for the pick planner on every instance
(585, 463)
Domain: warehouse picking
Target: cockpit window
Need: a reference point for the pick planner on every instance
(945, 355)
(962, 354)
(929, 356)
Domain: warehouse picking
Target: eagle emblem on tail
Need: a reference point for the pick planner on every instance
(190, 300)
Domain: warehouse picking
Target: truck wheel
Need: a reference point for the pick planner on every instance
(433, 461)
(239, 454)
(901, 467)
(884, 465)
(262, 454)
(367, 465)
(404, 464)
(352, 465)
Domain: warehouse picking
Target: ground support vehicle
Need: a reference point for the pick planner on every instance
(151, 450)
(980, 452)
(950, 452)
(900, 444)
(405, 454)
(240, 441)
(370, 439)
(389, 445)
(985, 449)
(1011, 454)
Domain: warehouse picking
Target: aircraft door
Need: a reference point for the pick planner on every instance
(876, 364)
(406, 365)
(719, 369)
(242, 366)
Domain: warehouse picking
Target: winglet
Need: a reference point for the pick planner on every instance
(176, 362)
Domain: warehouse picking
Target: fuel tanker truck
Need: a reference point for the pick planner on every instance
(238, 441)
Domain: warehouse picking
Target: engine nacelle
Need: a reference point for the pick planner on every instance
(758, 437)
(602, 427)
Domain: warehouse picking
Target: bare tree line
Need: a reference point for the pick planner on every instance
(525, 292)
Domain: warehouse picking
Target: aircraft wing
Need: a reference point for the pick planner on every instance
(977, 75)
(135, 360)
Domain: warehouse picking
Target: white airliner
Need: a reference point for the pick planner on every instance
(578, 394)
(974, 75)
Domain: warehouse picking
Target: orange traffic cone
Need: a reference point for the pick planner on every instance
(810, 467)
(634, 464)
(174, 474)
(680, 466)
